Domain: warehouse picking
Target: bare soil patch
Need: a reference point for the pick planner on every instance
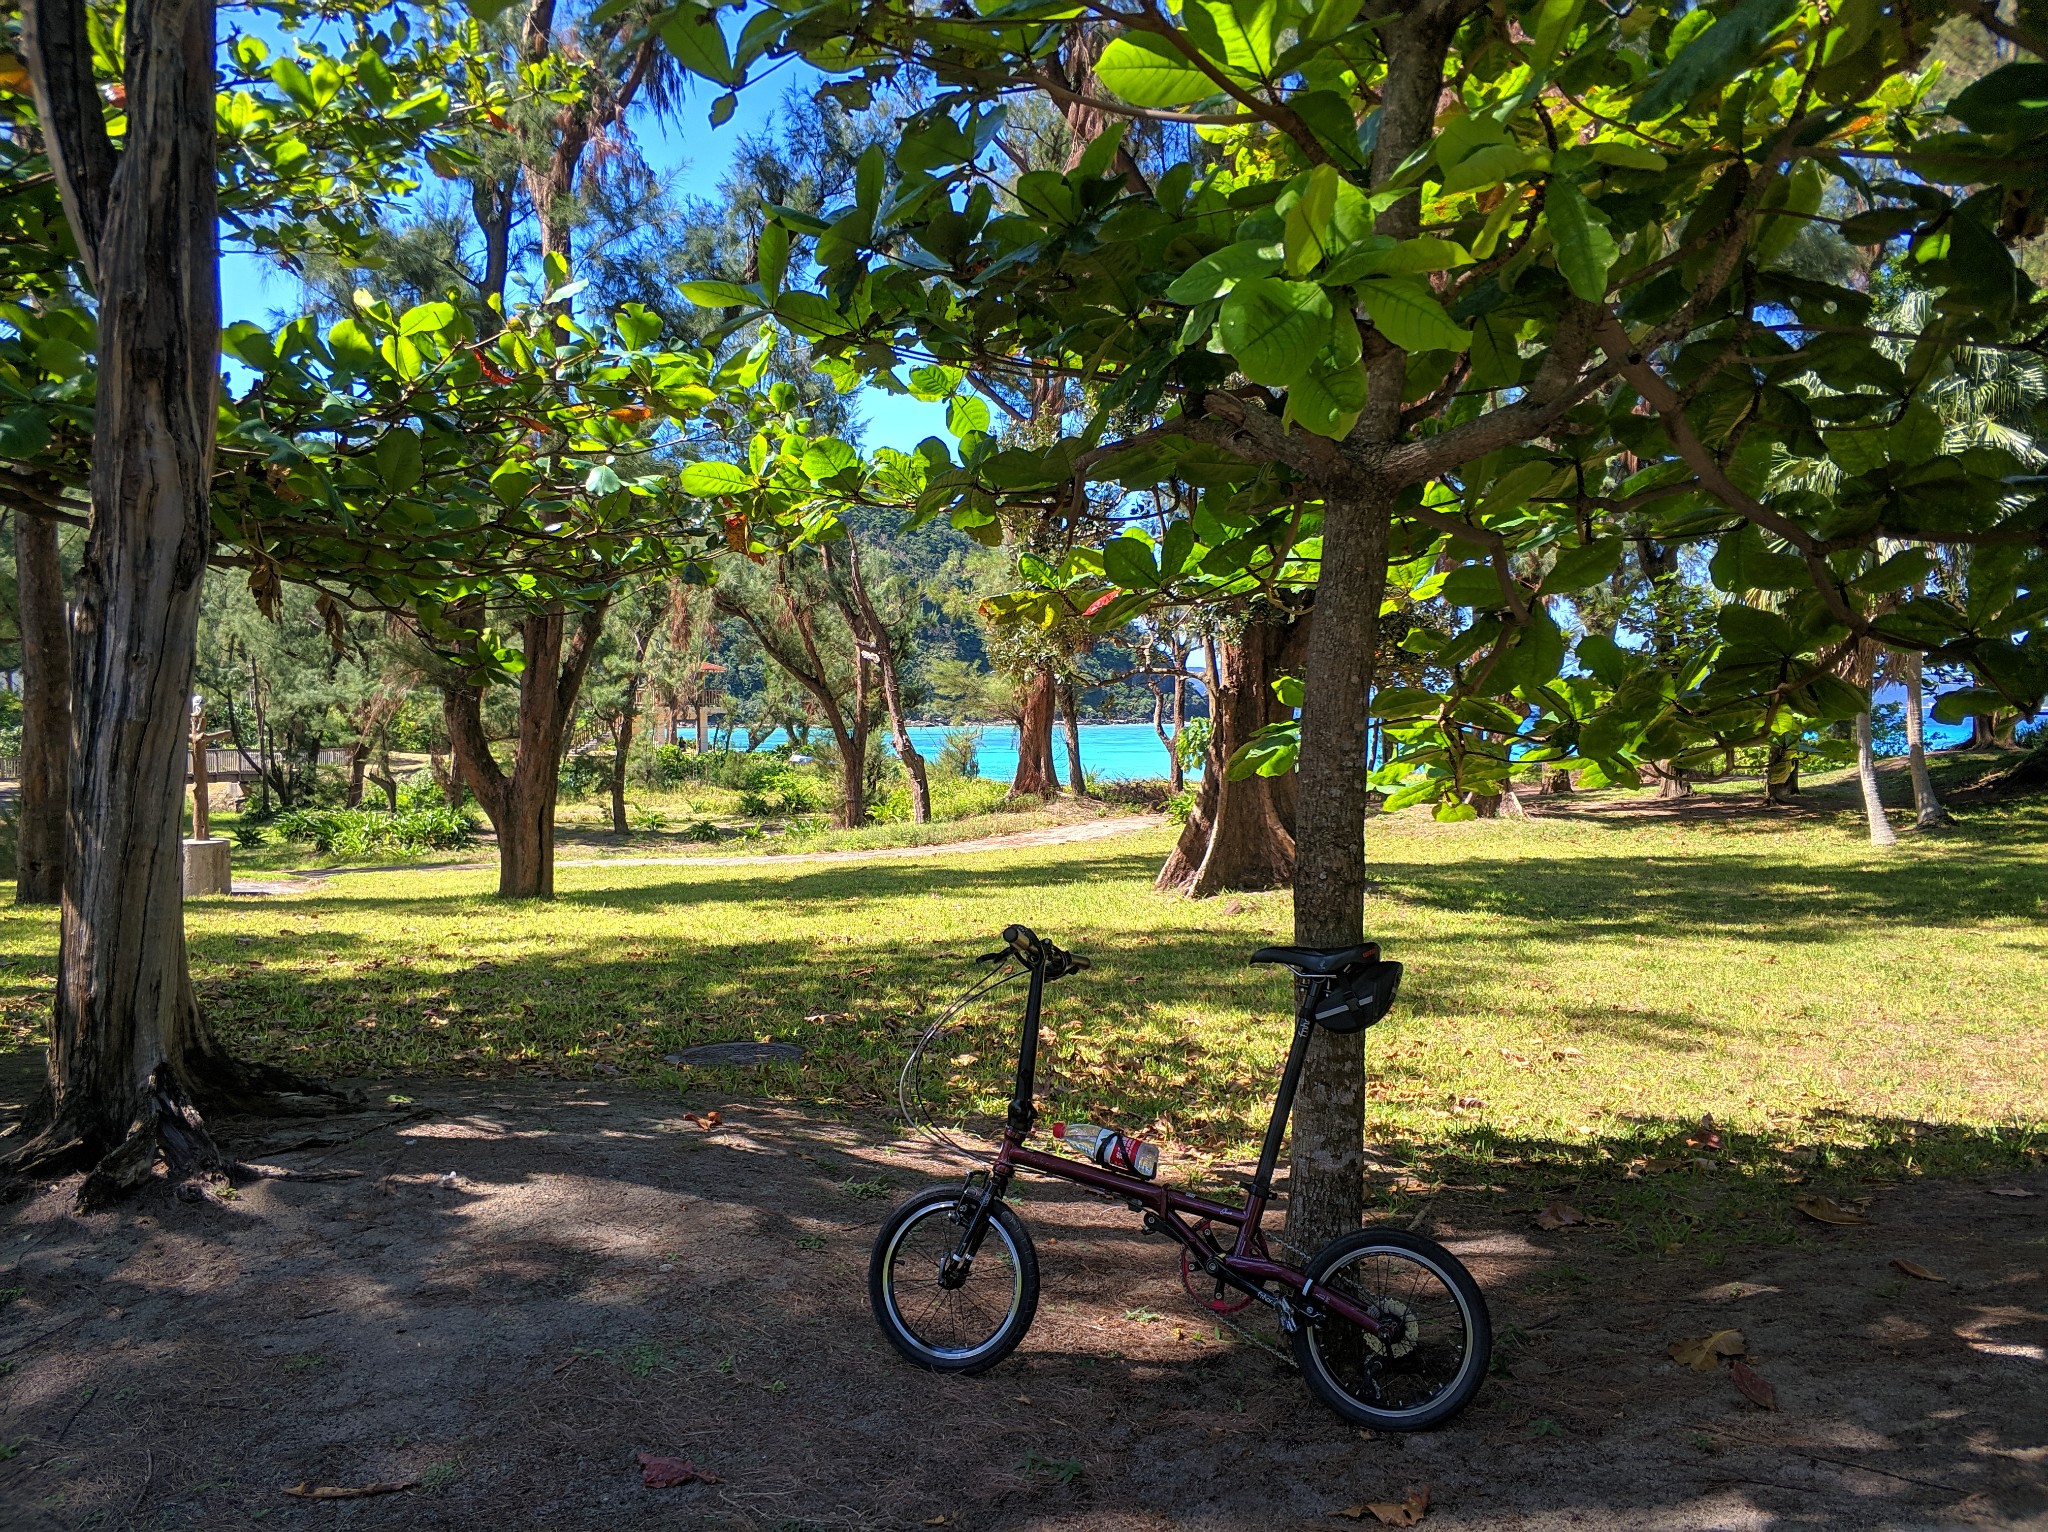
(602, 1277)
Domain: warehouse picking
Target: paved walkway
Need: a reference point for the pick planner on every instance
(1057, 835)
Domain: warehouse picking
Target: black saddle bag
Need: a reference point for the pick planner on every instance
(1358, 997)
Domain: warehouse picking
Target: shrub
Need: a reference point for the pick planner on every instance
(702, 830)
(372, 832)
(421, 791)
(645, 819)
(584, 773)
(1180, 808)
(1137, 793)
(249, 836)
(1193, 742)
(960, 755)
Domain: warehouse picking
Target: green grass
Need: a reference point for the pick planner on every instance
(1580, 996)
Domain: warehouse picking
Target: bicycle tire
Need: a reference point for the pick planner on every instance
(1436, 1324)
(897, 1269)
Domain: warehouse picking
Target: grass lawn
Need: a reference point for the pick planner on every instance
(1581, 996)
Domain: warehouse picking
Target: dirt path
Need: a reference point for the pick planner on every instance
(1055, 835)
(603, 1277)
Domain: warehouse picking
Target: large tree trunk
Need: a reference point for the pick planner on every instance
(1036, 773)
(358, 764)
(1881, 831)
(128, 1052)
(1326, 1195)
(1927, 809)
(1235, 838)
(521, 803)
(45, 711)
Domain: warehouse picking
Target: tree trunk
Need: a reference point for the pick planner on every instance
(1326, 1195)
(1036, 773)
(1556, 783)
(521, 804)
(1881, 831)
(1927, 809)
(1234, 839)
(1175, 779)
(128, 1052)
(622, 743)
(869, 630)
(45, 711)
(358, 763)
(1673, 781)
(1077, 779)
(446, 777)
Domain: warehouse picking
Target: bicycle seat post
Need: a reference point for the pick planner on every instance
(1022, 1113)
(1283, 1099)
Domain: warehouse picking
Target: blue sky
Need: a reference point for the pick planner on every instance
(697, 154)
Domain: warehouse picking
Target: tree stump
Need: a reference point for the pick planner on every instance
(207, 867)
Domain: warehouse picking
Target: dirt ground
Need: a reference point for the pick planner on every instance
(603, 1277)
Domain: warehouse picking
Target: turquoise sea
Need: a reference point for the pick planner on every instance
(1109, 751)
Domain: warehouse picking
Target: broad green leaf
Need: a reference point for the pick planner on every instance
(638, 325)
(1411, 257)
(1236, 33)
(1576, 568)
(427, 319)
(1713, 57)
(695, 38)
(1214, 275)
(1487, 166)
(1585, 248)
(1148, 71)
(719, 295)
(967, 414)
(714, 478)
(1275, 328)
(1406, 312)
(1128, 561)
(398, 459)
(1627, 154)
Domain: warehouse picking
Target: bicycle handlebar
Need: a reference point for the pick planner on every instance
(1034, 952)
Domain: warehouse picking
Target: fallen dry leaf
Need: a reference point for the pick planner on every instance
(1559, 1214)
(1704, 1353)
(712, 1119)
(965, 1058)
(2010, 1191)
(1388, 1513)
(1755, 1387)
(1915, 1269)
(937, 1521)
(657, 1472)
(1826, 1210)
(311, 1491)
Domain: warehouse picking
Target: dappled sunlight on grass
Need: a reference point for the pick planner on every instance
(1577, 997)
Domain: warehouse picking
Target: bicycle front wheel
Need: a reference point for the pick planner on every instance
(965, 1328)
(1435, 1338)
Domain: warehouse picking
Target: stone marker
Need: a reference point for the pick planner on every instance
(206, 867)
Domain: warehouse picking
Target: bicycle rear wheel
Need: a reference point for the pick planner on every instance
(967, 1328)
(1432, 1356)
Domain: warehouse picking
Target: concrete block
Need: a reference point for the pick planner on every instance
(206, 867)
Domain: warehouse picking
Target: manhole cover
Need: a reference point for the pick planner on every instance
(737, 1053)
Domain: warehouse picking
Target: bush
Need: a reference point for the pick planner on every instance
(960, 755)
(645, 819)
(249, 835)
(1137, 793)
(421, 791)
(1180, 808)
(780, 790)
(1193, 742)
(702, 830)
(372, 832)
(584, 773)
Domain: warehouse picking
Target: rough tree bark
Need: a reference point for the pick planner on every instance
(858, 608)
(1236, 837)
(622, 745)
(1036, 773)
(1070, 711)
(1326, 1196)
(1927, 809)
(45, 711)
(521, 803)
(129, 1055)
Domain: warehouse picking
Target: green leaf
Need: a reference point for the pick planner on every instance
(1585, 247)
(1960, 706)
(638, 325)
(828, 459)
(722, 109)
(1236, 33)
(1741, 562)
(698, 42)
(1128, 561)
(1307, 223)
(1214, 275)
(1275, 328)
(1149, 71)
(1406, 312)
(398, 459)
(427, 319)
(967, 414)
(1577, 568)
(1487, 166)
(1603, 658)
(719, 295)
(1496, 358)
(1713, 57)
(1411, 257)
(714, 478)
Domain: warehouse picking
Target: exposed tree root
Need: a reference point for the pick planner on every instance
(166, 1127)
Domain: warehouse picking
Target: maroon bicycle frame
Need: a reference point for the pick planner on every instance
(1247, 1265)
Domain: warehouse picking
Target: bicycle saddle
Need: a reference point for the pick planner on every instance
(1320, 962)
